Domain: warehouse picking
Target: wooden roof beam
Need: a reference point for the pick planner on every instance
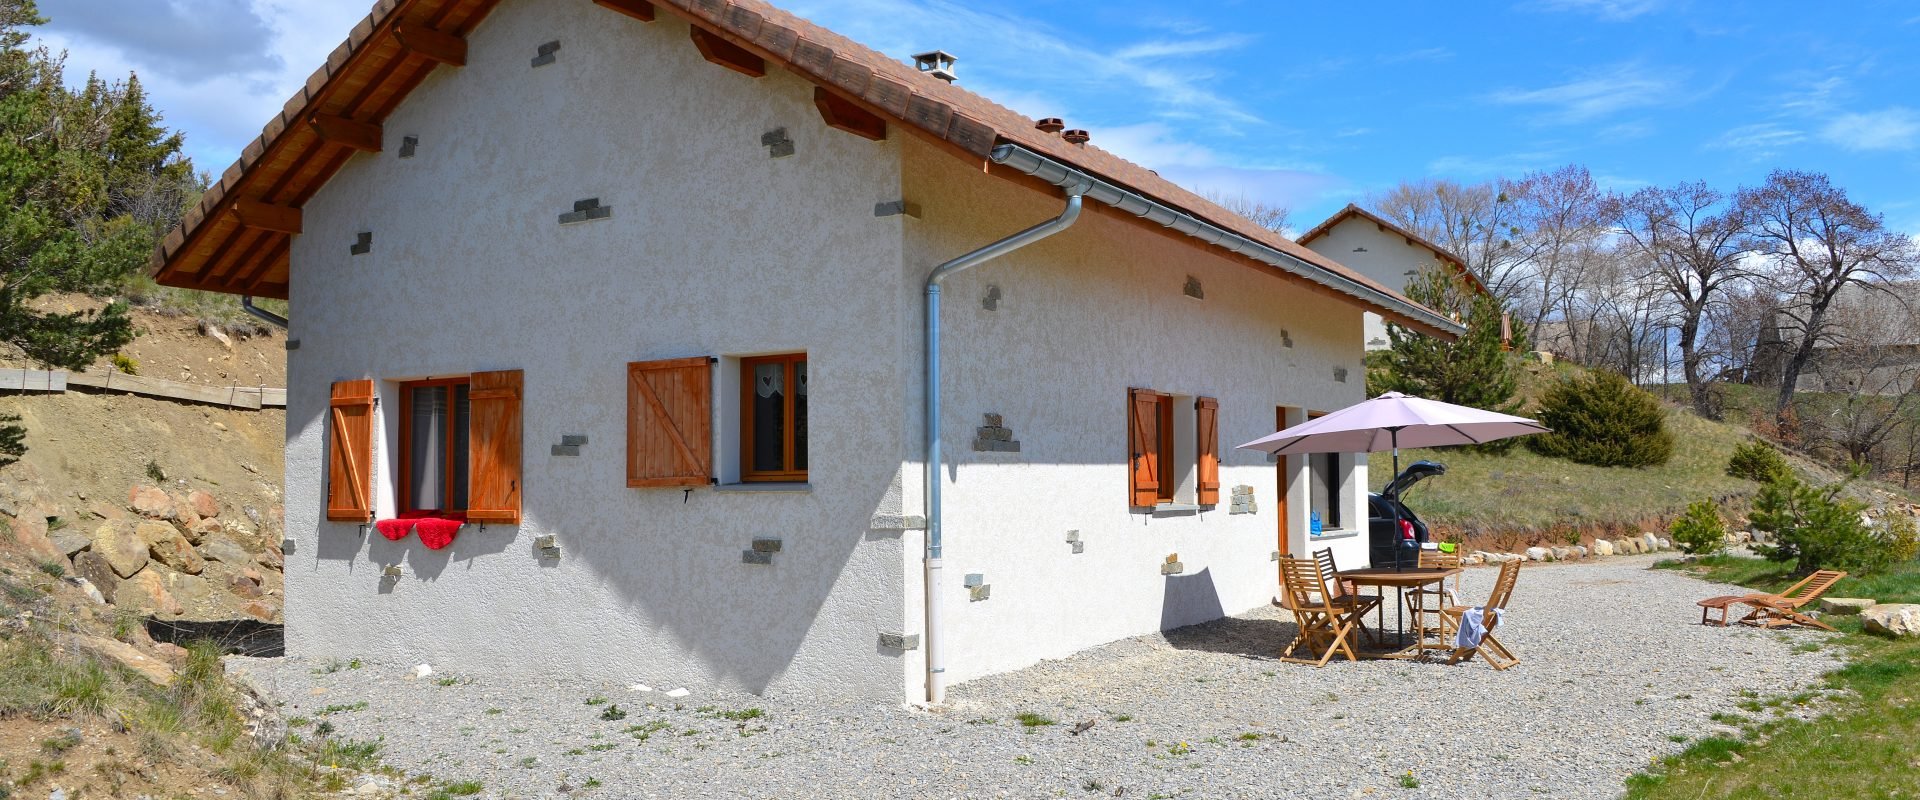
(266, 216)
(727, 54)
(842, 114)
(445, 48)
(637, 9)
(362, 136)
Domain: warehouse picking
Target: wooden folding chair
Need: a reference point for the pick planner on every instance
(1783, 609)
(1418, 605)
(1344, 592)
(1496, 654)
(1326, 624)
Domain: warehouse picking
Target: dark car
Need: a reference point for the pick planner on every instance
(1387, 544)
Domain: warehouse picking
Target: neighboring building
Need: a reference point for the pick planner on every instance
(1871, 346)
(1391, 255)
(636, 290)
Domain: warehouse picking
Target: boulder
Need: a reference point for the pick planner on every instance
(1602, 547)
(167, 546)
(1893, 619)
(32, 539)
(93, 568)
(225, 551)
(1539, 554)
(272, 559)
(1651, 541)
(200, 531)
(245, 586)
(203, 504)
(262, 610)
(147, 591)
(1845, 606)
(1637, 545)
(1579, 551)
(1759, 537)
(87, 588)
(153, 668)
(151, 501)
(124, 550)
(1665, 543)
(1562, 553)
(70, 541)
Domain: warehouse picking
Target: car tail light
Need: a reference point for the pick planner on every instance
(1406, 529)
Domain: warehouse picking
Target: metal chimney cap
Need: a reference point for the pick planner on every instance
(938, 63)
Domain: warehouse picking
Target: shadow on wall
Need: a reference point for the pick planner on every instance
(1188, 599)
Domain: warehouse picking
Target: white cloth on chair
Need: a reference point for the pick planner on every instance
(1473, 627)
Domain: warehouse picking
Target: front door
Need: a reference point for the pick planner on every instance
(1282, 483)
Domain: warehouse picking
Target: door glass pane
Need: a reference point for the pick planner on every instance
(457, 460)
(427, 447)
(800, 415)
(769, 416)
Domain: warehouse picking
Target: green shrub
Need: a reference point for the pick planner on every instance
(1758, 461)
(1902, 538)
(125, 363)
(1701, 530)
(1603, 420)
(1816, 528)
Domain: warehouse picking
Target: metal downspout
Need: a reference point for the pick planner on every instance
(246, 304)
(936, 649)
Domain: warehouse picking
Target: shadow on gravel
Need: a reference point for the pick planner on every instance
(1251, 638)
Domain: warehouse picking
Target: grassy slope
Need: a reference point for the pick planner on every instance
(1866, 746)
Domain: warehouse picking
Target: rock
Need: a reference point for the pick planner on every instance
(1893, 619)
(678, 693)
(1472, 560)
(1602, 547)
(225, 551)
(147, 591)
(88, 588)
(272, 559)
(1651, 541)
(167, 546)
(1845, 606)
(124, 550)
(1759, 537)
(261, 610)
(1579, 551)
(1562, 553)
(57, 794)
(173, 654)
(422, 670)
(1635, 546)
(93, 568)
(1539, 554)
(32, 539)
(203, 504)
(153, 669)
(1665, 543)
(151, 501)
(70, 541)
(240, 585)
(200, 531)
(194, 592)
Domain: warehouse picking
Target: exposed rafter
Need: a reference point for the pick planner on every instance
(843, 114)
(362, 136)
(727, 54)
(440, 46)
(266, 216)
(637, 9)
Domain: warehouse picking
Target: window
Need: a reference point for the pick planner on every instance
(434, 430)
(773, 418)
(1327, 477)
(1166, 467)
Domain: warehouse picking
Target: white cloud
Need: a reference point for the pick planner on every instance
(1596, 94)
(1510, 165)
(1760, 141)
(1609, 10)
(1895, 128)
(1182, 47)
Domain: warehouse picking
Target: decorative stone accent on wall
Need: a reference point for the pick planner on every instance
(407, 145)
(1340, 374)
(1275, 556)
(362, 244)
(586, 211)
(897, 522)
(545, 54)
(1073, 538)
(293, 344)
(991, 300)
(762, 552)
(1241, 501)
(754, 557)
(894, 208)
(570, 444)
(1193, 290)
(777, 143)
(548, 545)
(390, 572)
(1172, 565)
(977, 588)
(900, 641)
(1286, 338)
(995, 436)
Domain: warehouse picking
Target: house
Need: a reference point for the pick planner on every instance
(615, 315)
(1392, 256)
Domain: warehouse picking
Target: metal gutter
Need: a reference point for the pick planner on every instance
(246, 304)
(1028, 162)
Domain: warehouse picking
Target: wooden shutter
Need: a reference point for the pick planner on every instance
(1143, 446)
(493, 446)
(670, 422)
(350, 452)
(1206, 417)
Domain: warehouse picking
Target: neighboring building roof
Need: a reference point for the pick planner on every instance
(391, 51)
(1412, 239)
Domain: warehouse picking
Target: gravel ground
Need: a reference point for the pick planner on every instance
(1614, 670)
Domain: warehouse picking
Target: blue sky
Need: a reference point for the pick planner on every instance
(1311, 105)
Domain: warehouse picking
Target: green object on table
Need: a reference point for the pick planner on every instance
(1448, 547)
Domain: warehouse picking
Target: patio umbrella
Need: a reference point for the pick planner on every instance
(1389, 422)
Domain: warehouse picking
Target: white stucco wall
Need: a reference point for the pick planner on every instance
(713, 249)
(1084, 316)
(1384, 256)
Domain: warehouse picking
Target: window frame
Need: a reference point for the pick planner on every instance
(788, 473)
(404, 493)
(1336, 503)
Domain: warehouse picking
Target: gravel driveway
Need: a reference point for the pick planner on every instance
(1614, 669)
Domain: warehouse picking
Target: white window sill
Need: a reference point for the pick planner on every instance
(1327, 536)
(799, 488)
(1177, 509)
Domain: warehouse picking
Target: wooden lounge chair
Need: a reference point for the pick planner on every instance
(1422, 602)
(1346, 592)
(1783, 609)
(1326, 623)
(1496, 654)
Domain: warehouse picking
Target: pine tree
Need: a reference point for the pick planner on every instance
(1475, 370)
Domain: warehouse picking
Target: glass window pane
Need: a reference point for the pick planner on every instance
(800, 415)
(427, 447)
(769, 417)
(457, 460)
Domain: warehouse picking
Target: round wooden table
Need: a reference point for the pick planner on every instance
(1401, 580)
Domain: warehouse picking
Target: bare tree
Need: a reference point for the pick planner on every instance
(1870, 363)
(1558, 214)
(1819, 243)
(1259, 212)
(1692, 242)
(1473, 221)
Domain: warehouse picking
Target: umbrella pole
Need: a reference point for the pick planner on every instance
(1394, 433)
